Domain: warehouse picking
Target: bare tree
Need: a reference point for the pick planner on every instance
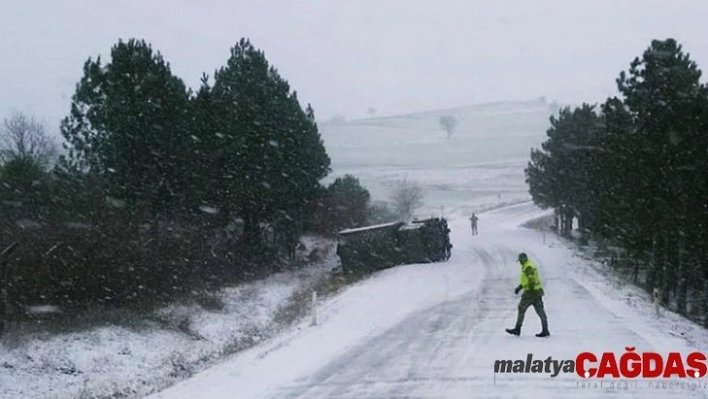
(448, 123)
(407, 197)
(25, 137)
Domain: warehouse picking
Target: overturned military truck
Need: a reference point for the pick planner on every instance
(382, 246)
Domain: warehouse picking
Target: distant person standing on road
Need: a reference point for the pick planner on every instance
(532, 296)
(473, 223)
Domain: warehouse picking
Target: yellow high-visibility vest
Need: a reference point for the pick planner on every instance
(530, 279)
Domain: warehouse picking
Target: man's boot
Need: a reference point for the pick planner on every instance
(514, 331)
(544, 319)
(544, 327)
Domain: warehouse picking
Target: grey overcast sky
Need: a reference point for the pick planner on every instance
(345, 56)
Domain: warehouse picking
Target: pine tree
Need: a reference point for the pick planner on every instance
(129, 123)
(210, 180)
(665, 100)
(560, 173)
(271, 146)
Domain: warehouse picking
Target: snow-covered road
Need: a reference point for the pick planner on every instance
(435, 331)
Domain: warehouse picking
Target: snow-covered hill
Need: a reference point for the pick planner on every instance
(480, 165)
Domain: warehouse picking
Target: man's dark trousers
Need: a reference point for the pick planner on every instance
(535, 299)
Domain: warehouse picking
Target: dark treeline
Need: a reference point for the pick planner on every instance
(162, 190)
(633, 172)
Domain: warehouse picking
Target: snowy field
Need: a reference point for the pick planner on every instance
(481, 165)
(416, 331)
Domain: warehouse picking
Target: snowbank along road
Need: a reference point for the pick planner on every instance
(436, 330)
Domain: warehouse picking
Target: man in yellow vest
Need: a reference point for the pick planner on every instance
(532, 296)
